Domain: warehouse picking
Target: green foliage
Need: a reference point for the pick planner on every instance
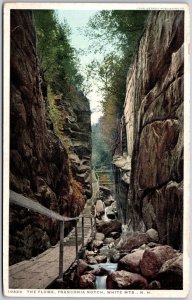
(121, 30)
(56, 116)
(58, 59)
(101, 157)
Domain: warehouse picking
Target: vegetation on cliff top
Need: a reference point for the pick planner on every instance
(117, 33)
(114, 33)
(58, 59)
(59, 67)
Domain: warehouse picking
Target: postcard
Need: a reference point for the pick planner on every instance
(96, 150)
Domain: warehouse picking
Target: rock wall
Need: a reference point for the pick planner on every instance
(153, 113)
(75, 131)
(41, 167)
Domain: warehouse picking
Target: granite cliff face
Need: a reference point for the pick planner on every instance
(153, 120)
(41, 167)
(74, 128)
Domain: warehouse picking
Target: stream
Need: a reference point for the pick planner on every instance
(108, 266)
(103, 256)
(101, 280)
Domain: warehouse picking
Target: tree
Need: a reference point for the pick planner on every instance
(101, 157)
(117, 33)
(118, 28)
(58, 59)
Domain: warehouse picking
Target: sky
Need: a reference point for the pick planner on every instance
(77, 19)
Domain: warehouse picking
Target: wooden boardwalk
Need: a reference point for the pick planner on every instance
(41, 271)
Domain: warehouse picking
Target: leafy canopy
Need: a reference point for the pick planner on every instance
(101, 157)
(115, 33)
(58, 59)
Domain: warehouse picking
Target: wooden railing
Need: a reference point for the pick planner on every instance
(35, 206)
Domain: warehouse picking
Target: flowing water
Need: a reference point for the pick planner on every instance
(101, 280)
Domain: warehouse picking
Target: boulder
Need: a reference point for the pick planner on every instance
(115, 257)
(89, 253)
(126, 280)
(87, 281)
(142, 247)
(154, 285)
(99, 207)
(89, 244)
(91, 260)
(131, 262)
(101, 259)
(132, 241)
(108, 227)
(114, 206)
(108, 240)
(108, 201)
(104, 192)
(114, 235)
(171, 273)
(152, 245)
(110, 213)
(153, 235)
(97, 244)
(83, 267)
(154, 258)
(99, 236)
(100, 272)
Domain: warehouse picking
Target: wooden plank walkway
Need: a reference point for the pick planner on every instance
(41, 271)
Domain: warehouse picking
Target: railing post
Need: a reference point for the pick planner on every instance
(91, 226)
(95, 226)
(82, 232)
(76, 244)
(61, 252)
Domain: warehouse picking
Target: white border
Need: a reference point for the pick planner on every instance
(6, 96)
(96, 6)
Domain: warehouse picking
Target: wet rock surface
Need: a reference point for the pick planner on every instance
(154, 258)
(108, 227)
(164, 269)
(101, 258)
(126, 280)
(87, 281)
(100, 272)
(171, 273)
(132, 241)
(131, 262)
(140, 262)
(83, 267)
(97, 244)
(91, 260)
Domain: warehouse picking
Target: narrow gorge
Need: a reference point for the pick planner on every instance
(138, 208)
(50, 163)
